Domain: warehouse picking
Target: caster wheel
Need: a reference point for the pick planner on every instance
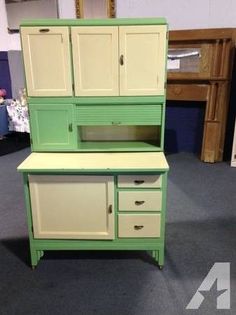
(160, 267)
(33, 267)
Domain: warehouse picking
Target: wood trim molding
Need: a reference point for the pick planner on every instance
(111, 12)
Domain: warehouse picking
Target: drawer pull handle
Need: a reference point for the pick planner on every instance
(116, 123)
(110, 209)
(44, 30)
(139, 182)
(138, 227)
(139, 202)
(70, 127)
(121, 60)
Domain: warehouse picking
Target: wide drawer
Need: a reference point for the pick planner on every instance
(149, 181)
(118, 115)
(139, 200)
(139, 225)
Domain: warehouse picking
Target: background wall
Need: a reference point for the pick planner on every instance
(180, 14)
(183, 14)
(12, 41)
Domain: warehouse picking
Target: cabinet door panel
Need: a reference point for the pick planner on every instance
(47, 61)
(72, 206)
(95, 54)
(143, 50)
(52, 127)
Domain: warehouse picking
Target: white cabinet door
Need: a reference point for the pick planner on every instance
(95, 56)
(142, 59)
(46, 52)
(72, 206)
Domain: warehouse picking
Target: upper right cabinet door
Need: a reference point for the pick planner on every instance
(142, 59)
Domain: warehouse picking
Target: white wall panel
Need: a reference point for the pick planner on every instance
(181, 14)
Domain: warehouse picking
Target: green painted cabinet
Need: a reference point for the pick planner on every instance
(97, 177)
(52, 127)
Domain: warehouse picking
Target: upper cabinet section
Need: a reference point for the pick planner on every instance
(47, 60)
(102, 58)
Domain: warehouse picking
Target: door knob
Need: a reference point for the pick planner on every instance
(121, 60)
(110, 209)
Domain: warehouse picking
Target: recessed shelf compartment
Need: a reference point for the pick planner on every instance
(119, 138)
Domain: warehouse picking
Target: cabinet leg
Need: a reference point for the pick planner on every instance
(155, 255)
(40, 254)
(35, 257)
(161, 257)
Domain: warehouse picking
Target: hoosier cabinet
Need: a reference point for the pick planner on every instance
(97, 176)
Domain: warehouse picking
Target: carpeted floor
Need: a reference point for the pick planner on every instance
(13, 142)
(201, 230)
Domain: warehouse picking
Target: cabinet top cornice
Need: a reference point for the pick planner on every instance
(94, 22)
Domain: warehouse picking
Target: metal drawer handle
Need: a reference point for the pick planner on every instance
(139, 202)
(121, 60)
(138, 227)
(139, 182)
(116, 123)
(110, 209)
(44, 30)
(70, 127)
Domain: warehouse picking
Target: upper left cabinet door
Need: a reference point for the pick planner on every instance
(46, 53)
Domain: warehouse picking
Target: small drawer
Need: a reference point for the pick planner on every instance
(139, 225)
(139, 200)
(149, 181)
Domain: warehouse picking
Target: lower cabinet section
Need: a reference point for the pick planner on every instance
(90, 208)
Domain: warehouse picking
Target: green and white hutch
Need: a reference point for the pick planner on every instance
(96, 178)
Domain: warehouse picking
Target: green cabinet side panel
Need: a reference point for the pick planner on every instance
(52, 127)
